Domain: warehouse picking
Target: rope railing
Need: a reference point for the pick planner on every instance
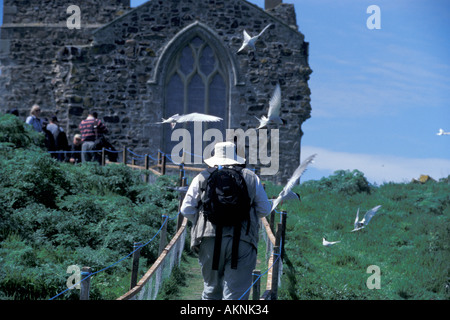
(84, 294)
(148, 287)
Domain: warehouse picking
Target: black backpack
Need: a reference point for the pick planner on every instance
(225, 203)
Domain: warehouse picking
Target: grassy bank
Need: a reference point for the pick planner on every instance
(408, 240)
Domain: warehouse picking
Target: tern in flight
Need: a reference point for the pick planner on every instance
(250, 41)
(358, 225)
(442, 132)
(286, 192)
(273, 116)
(328, 243)
(191, 117)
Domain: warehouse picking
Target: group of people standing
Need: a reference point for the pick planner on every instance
(84, 144)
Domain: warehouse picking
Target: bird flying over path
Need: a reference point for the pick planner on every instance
(328, 243)
(250, 41)
(358, 225)
(273, 115)
(190, 117)
(286, 192)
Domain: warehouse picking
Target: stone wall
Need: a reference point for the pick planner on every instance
(118, 70)
(32, 33)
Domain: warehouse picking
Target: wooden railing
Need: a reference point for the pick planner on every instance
(147, 288)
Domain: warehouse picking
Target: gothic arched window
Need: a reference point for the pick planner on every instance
(196, 81)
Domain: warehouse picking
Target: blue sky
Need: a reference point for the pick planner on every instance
(378, 96)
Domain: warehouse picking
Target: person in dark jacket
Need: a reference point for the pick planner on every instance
(75, 155)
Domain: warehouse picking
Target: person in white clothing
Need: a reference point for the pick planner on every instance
(227, 282)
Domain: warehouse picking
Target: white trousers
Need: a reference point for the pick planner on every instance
(226, 283)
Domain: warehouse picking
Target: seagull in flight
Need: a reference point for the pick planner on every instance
(250, 41)
(286, 192)
(328, 243)
(442, 132)
(273, 116)
(191, 117)
(358, 225)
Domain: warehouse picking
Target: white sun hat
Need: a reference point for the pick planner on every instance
(224, 155)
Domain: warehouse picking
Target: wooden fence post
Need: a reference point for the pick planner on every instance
(283, 232)
(147, 159)
(86, 284)
(276, 257)
(135, 267)
(163, 164)
(181, 174)
(124, 157)
(180, 216)
(103, 156)
(272, 221)
(275, 271)
(256, 285)
(163, 236)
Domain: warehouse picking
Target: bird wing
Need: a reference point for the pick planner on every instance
(265, 28)
(356, 220)
(245, 42)
(200, 117)
(170, 119)
(275, 103)
(276, 202)
(262, 122)
(297, 173)
(290, 184)
(290, 196)
(369, 214)
(246, 37)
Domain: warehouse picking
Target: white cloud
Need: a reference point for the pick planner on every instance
(378, 168)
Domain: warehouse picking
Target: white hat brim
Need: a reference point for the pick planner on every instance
(219, 161)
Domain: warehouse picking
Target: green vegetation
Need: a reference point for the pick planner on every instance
(408, 239)
(53, 215)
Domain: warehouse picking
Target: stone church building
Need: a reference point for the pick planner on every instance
(134, 66)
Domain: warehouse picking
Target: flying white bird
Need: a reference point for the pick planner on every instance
(286, 192)
(273, 116)
(191, 117)
(442, 132)
(250, 41)
(328, 243)
(358, 225)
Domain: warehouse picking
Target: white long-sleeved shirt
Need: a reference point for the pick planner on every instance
(261, 207)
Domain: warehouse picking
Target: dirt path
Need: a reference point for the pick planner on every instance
(194, 280)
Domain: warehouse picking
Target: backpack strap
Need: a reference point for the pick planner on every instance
(217, 247)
